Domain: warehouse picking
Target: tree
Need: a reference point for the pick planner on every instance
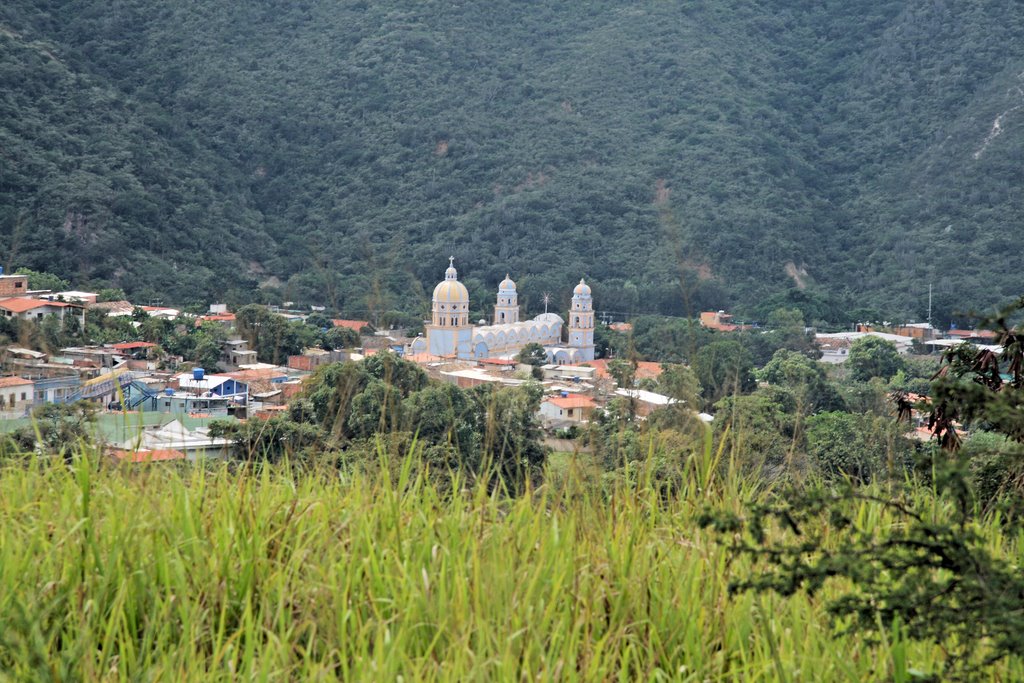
(930, 573)
(761, 431)
(443, 414)
(339, 338)
(532, 354)
(111, 294)
(679, 382)
(57, 427)
(862, 447)
(873, 357)
(723, 367)
(40, 280)
(623, 372)
(512, 452)
(806, 378)
(270, 441)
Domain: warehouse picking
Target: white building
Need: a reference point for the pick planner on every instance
(16, 395)
(836, 346)
(450, 333)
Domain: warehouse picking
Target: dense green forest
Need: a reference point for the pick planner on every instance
(833, 156)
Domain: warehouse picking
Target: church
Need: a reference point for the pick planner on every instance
(451, 335)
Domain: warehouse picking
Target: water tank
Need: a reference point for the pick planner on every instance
(198, 374)
(565, 394)
(168, 392)
(1, 270)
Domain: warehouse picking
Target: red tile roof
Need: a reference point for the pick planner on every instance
(644, 369)
(356, 325)
(14, 382)
(155, 455)
(17, 305)
(572, 401)
(128, 346)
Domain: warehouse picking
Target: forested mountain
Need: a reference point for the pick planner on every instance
(837, 155)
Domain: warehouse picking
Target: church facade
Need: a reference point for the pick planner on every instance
(451, 335)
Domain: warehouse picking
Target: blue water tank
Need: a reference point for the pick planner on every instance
(565, 394)
(169, 392)
(1, 270)
(198, 373)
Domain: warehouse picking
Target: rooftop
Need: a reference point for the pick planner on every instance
(646, 396)
(14, 382)
(16, 305)
(356, 325)
(572, 401)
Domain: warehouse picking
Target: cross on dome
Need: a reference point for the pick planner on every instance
(451, 273)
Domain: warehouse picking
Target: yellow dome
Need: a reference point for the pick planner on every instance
(451, 292)
(582, 289)
(507, 283)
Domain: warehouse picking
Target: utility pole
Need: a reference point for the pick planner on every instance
(929, 304)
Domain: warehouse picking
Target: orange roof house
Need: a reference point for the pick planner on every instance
(645, 369)
(356, 325)
(718, 320)
(572, 407)
(132, 346)
(18, 305)
(155, 455)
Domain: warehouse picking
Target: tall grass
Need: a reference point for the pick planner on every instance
(160, 573)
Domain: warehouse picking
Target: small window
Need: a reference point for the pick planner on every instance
(17, 285)
(167, 404)
(23, 396)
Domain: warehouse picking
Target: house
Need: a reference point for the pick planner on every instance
(26, 308)
(75, 296)
(570, 373)
(56, 389)
(226, 320)
(571, 407)
(94, 356)
(236, 352)
(646, 401)
(13, 285)
(161, 312)
(198, 383)
(834, 351)
(644, 369)
(354, 325)
(184, 403)
(174, 436)
(469, 378)
(113, 309)
(146, 455)
(624, 328)
(718, 320)
(982, 336)
(311, 359)
(838, 343)
(919, 331)
(16, 395)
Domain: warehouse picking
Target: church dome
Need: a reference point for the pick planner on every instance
(507, 284)
(451, 291)
(582, 289)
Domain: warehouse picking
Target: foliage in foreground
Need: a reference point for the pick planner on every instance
(214, 574)
(933, 575)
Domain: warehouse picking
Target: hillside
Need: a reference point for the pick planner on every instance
(834, 155)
